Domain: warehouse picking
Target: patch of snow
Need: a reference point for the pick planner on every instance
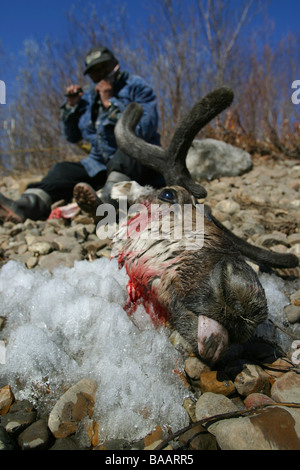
(69, 325)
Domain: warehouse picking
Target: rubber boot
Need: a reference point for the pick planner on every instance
(34, 204)
(87, 198)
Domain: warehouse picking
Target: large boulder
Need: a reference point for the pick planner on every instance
(209, 159)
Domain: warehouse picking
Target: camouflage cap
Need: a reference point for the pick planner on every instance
(96, 56)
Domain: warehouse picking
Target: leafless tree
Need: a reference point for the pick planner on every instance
(183, 52)
(223, 22)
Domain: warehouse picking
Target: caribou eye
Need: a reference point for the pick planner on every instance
(168, 195)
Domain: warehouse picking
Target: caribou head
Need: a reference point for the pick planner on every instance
(203, 286)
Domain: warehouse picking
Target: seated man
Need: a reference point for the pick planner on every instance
(89, 117)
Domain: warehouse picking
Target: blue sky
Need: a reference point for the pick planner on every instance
(22, 19)
(286, 15)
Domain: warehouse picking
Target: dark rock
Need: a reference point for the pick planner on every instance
(68, 443)
(19, 417)
(36, 437)
(6, 442)
(198, 438)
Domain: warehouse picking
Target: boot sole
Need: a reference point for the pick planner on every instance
(86, 198)
(6, 215)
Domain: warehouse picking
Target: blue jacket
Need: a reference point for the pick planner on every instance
(90, 121)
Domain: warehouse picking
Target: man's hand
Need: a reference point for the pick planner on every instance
(106, 91)
(73, 94)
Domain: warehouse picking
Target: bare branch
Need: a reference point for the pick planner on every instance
(222, 31)
(238, 27)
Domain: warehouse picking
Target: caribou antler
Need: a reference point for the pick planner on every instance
(170, 162)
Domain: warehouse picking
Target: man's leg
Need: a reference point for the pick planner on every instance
(35, 202)
(63, 176)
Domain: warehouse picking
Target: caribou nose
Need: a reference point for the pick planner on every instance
(213, 339)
